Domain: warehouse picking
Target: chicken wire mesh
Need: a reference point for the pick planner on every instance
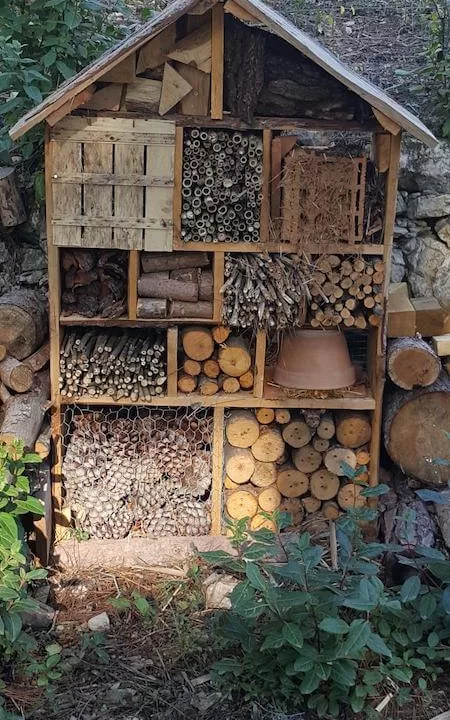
(137, 470)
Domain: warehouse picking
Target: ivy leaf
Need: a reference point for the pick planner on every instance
(293, 635)
(343, 673)
(375, 491)
(9, 530)
(310, 682)
(64, 69)
(30, 505)
(33, 92)
(410, 589)
(49, 58)
(377, 645)
(31, 458)
(227, 665)
(357, 638)
(445, 599)
(13, 625)
(255, 576)
(334, 626)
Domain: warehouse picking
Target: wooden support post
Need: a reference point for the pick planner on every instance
(265, 202)
(275, 189)
(177, 186)
(217, 39)
(217, 472)
(260, 361)
(172, 361)
(54, 275)
(133, 276)
(219, 278)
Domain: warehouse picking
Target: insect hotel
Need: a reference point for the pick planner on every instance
(221, 195)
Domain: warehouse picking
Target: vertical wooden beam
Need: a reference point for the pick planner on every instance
(379, 371)
(264, 235)
(219, 278)
(177, 187)
(54, 274)
(217, 471)
(217, 54)
(260, 361)
(133, 276)
(275, 183)
(172, 361)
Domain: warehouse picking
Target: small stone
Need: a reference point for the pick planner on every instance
(401, 204)
(443, 518)
(432, 206)
(400, 231)
(442, 229)
(41, 617)
(397, 265)
(99, 623)
(33, 259)
(218, 591)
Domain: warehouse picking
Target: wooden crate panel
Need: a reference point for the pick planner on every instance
(113, 183)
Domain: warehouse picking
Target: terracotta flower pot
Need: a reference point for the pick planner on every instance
(314, 360)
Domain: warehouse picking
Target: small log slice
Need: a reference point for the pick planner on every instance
(297, 433)
(349, 496)
(241, 504)
(239, 464)
(198, 343)
(324, 484)
(269, 446)
(265, 474)
(260, 522)
(411, 362)
(16, 375)
(311, 504)
(292, 482)
(265, 416)
(306, 458)
(353, 429)
(269, 499)
(294, 507)
(336, 456)
(242, 429)
(330, 510)
(234, 357)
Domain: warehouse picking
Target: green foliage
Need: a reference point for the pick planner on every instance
(43, 43)
(136, 602)
(336, 635)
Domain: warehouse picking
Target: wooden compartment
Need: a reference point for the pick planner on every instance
(290, 460)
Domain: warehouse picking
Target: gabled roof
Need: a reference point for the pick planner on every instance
(267, 19)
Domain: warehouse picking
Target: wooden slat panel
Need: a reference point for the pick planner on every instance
(217, 49)
(158, 200)
(98, 198)
(128, 201)
(107, 221)
(131, 179)
(66, 199)
(116, 136)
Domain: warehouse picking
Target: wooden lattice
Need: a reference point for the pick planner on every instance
(112, 183)
(322, 199)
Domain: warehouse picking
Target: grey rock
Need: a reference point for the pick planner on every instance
(419, 531)
(442, 229)
(397, 266)
(217, 590)
(33, 259)
(432, 206)
(32, 278)
(428, 267)
(41, 617)
(400, 231)
(423, 169)
(401, 203)
(99, 623)
(443, 518)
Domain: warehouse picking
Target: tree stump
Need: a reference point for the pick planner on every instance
(23, 322)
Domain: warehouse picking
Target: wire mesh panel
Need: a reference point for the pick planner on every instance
(138, 470)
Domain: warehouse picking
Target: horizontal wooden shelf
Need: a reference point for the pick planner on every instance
(129, 322)
(336, 249)
(366, 402)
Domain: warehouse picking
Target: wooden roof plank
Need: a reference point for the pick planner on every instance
(269, 19)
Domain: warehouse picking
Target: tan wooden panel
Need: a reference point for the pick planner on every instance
(97, 157)
(112, 130)
(159, 200)
(128, 201)
(66, 198)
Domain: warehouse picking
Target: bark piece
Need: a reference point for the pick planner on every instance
(297, 433)
(43, 442)
(4, 393)
(149, 308)
(306, 458)
(39, 359)
(324, 484)
(349, 496)
(241, 504)
(336, 456)
(416, 424)
(197, 343)
(269, 499)
(23, 322)
(16, 375)
(242, 429)
(269, 446)
(411, 362)
(23, 414)
(239, 464)
(292, 482)
(200, 309)
(265, 474)
(159, 285)
(206, 286)
(353, 429)
(234, 357)
(12, 210)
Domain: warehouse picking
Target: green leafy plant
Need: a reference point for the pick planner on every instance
(302, 633)
(136, 602)
(42, 43)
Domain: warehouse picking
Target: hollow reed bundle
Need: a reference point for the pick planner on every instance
(120, 364)
(269, 291)
(221, 186)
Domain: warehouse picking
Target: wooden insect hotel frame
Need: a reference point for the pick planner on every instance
(199, 202)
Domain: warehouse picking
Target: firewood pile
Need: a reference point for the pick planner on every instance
(277, 460)
(214, 360)
(121, 364)
(267, 291)
(146, 473)
(175, 285)
(221, 186)
(94, 282)
(347, 291)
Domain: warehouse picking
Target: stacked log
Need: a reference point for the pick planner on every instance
(412, 362)
(214, 360)
(175, 285)
(275, 460)
(119, 364)
(347, 291)
(221, 186)
(147, 475)
(94, 282)
(267, 291)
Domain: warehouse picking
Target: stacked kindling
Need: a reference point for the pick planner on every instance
(175, 285)
(221, 186)
(147, 475)
(214, 360)
(267, 291)
(278, 461)
(121, 364)
(347, 291)
(94, 282)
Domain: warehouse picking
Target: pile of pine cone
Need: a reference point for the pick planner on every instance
(144, 475)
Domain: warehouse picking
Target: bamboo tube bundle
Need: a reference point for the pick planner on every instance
(268, 291)
(292, 461)
(347, 291)
(221, 186)
(214, 360)
(119, 364)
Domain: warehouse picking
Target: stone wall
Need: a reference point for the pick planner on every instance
(421, 254)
